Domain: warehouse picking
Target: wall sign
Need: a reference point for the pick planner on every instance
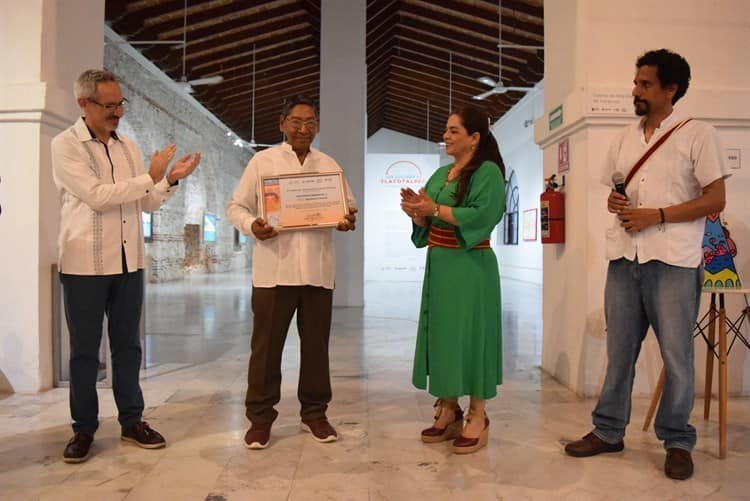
(563, 155)
(556, 117)
(734, 158)
(609, 102)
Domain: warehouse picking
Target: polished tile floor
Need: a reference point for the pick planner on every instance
(197, 351)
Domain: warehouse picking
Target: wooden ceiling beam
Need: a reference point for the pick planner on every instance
(172, 59)
(272, 86)
(265, 61)
(476, 18)
(222, 18)
(384, 45)
(253, 34)
(301, 87)
(380, 21)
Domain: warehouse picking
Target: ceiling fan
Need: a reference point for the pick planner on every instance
(183, 83)
(252, 144)
(497, 86)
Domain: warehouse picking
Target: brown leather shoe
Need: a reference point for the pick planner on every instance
(78, 448)
(258, 436)
(143, 435)
(678, 464)
(321, 430)
(433, 434)
(591, 445)
(465, 445)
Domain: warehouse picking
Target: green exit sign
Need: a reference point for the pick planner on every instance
(555, 117)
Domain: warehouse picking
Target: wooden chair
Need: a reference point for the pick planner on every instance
(708, 323)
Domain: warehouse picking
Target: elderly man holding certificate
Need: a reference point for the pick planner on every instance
(290, 198)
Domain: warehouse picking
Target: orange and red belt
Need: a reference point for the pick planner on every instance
(443, 237)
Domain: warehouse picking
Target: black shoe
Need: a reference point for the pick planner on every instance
(144, 436)
(79, 448)
(678, 464)
(591, 445)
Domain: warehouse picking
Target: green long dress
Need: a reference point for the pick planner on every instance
(459, 338)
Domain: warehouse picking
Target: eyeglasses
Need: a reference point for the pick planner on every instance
(297, 123)
(110, 106)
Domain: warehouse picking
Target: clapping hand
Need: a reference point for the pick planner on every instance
(160, 161)
(416, 205)
(183, 167)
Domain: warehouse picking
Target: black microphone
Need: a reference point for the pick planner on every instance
(618, 180)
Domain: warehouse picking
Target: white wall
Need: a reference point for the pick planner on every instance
(591, 47)
(515, 135)
(43, 49)
(390, 141)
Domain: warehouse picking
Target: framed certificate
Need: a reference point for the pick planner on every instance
(298, 201)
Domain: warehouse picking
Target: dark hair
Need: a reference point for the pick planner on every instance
(297, 100)
(475, 120)
(671, 68)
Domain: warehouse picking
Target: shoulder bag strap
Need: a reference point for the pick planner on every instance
(651, 150)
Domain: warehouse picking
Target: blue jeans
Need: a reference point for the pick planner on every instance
(667, 298)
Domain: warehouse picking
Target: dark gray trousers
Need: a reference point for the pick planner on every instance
(87, 300)
(273, 309)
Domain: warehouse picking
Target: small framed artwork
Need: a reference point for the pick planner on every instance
(529, 225)
(147, 220)
(209, 228)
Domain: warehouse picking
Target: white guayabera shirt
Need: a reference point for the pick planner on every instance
(294, 257)
(690, 159)
(103, 189)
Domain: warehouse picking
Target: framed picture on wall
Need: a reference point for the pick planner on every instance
(510, 220)
(529, 225)
(209, 228)
(147, 220)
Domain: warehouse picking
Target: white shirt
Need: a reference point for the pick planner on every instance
(293, 257)
(103, 189)
(677, 172)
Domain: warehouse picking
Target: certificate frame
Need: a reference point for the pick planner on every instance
(302, 201)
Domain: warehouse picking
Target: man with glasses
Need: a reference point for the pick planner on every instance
(103, 189)
(293, 270)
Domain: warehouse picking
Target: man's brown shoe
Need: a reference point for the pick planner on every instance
(679, 464)
(591, 445)
(78, 448)
(143, 435)
(321, 430)
(258, 436)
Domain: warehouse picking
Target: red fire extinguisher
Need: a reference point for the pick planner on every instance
(552, 213)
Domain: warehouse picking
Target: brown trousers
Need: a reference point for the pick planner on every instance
(273, 309)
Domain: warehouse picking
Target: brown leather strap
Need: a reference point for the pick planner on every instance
(651, 150)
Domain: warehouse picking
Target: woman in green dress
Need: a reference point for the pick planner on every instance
(459, 344)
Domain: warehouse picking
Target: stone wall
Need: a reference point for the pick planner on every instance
(158, 115)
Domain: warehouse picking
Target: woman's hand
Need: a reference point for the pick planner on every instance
(418, 205)
(412, 202)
